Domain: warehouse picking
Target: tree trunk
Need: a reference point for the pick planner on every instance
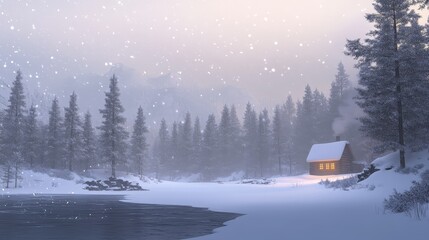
(398, 94)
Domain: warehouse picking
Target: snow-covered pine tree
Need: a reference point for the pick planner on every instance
(264, 143)
(163, 148)
(288, 119)
(225, 141)
(138, 142)
(88, 141)
(13, 127)
(322, 121)
(391, 77)
(197, 139)
(250, 140)
(31, 137)
(236, 146)
(304, 127)
(278, 137)
(55, 138)
(113, 133)
(186, 144)
(73, 133)
(415, 69)
(209, 151)
(174, 150)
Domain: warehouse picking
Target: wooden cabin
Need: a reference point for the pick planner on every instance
(332, 158)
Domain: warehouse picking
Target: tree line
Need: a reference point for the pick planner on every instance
(256, 144)
(259, 145)
(67, 141)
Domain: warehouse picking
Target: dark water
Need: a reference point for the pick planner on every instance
(64, 217)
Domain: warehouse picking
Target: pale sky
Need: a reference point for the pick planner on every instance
(266, 49)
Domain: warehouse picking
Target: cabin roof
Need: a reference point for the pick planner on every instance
(326, 151)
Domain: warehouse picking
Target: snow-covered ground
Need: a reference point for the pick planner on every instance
(290, 208)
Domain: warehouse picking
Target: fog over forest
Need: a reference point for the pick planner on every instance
(223, 87)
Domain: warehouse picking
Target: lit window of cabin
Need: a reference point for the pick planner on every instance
(333, 166)
(320, 166)
(327, 166)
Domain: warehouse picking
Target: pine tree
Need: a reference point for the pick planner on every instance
(186, 143)
(391, 77)
(31, 137)
(322, 122)
(264, 135)
(278, 137)
(197, 139)
(73, 132)
(55, 141)
(88, 141)
(288, 119)
(250, 139)
(174, 148)
(13, 127)
(225, 141)
(163, 148)
(210, 143)
(235, 134)
(113, 133)
(304, 135)
(138, 141)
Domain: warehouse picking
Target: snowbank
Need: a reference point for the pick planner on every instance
(288, 208)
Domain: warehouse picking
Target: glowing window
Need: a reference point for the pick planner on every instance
(327, 166)
(332, 166)
(321, 166)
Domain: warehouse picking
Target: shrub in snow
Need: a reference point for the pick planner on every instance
(367, 172)
(263, 181)
(344, 184)
(412, 202)
(113, 184)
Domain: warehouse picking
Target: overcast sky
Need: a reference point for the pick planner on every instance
(267, 49)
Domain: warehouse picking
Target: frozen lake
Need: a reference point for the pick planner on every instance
(101, 217)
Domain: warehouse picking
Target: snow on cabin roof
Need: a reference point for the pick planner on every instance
(326, 151)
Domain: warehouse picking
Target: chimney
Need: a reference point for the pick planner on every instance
(337, 138)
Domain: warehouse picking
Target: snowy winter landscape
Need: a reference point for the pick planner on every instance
(196, 119)
(287, 206)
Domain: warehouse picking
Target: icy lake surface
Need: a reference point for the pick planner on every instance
(101, 217)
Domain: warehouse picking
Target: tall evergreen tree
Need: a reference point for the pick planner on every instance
(197, 139)
(289, 118)
(250, 139)
(89, 142)
(12, 132)
(138, 141)
(55, 141)
(113, 133)
(31, 137)
(304, 128)
(73, 133)
(225, 141)
(210, 143)
(235, 133)
(186, 143)
(174, 147)
(322, 122)
(278, 137)
(391, 77)
(163, 148)
(264, 135)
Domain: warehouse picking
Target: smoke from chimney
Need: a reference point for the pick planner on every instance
(349, 114)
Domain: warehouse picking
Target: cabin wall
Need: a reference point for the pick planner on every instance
(314, 169)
